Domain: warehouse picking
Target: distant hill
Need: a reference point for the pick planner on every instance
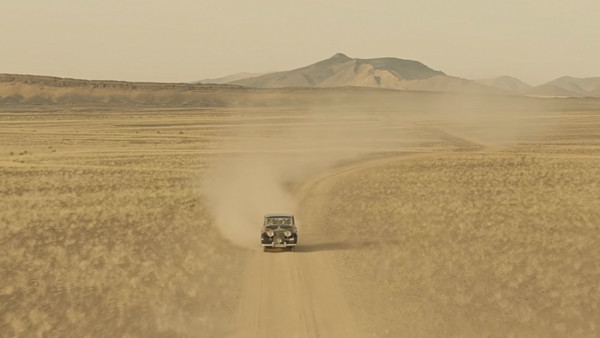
(34, 89)
(507, 83)
(569, 86)
(550, 90)
(53, 81)
(343, 71)
(595, 92)
(393, 73)
(229, 78)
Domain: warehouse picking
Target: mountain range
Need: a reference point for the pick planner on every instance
(338, 71)
(569, 86)
(394, 73)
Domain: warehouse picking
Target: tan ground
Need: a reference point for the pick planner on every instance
(420, 215)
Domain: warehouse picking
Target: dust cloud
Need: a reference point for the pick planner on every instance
(241, 190)
(267, 153)
(263, 161)
(491, 121)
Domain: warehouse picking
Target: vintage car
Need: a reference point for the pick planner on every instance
(279, 231)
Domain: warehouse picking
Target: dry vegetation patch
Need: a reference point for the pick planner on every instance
(473, 244)
(108, 236)
(105, 230)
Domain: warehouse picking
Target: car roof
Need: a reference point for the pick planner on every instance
(279, 215)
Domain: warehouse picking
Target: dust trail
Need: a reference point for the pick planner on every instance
(241, 190)
(277, 147)
(271, 156)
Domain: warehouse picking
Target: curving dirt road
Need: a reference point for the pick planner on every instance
(299, 294)
(429, 290)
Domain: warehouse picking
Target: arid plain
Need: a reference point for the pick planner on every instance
(420, 215)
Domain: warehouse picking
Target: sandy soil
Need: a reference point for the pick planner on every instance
(456, 217)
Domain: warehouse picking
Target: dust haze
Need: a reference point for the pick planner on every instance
(420, 214)
(268, 158)
(240, 191)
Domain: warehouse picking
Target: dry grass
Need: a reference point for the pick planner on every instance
(106, 231)
(493, 243)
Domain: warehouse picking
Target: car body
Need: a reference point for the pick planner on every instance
(279, 231)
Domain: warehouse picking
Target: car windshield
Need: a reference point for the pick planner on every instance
(284, 222)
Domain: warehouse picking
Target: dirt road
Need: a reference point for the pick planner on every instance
(293, 294)
(296, 294)
(299, 294)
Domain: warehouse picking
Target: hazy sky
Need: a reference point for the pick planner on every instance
(187, 40)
